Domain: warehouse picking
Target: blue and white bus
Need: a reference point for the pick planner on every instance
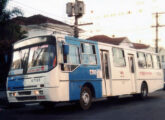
(57, 68)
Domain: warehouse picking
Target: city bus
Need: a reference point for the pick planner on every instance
(58, 68)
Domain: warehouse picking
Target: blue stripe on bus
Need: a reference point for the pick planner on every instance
(82, 75)
(16, 83)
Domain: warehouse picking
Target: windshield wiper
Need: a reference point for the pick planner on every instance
(35, 61)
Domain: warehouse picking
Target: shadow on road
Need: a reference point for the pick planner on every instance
(104, 107)
(96, 106)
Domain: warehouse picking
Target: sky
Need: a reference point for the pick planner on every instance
(119, 18)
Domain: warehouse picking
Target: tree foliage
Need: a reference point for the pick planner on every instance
(9, 33)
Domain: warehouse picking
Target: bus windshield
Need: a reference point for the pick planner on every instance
(19, 60)
(34, 59)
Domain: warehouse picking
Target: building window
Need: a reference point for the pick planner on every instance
(118, 57)
(149, 61)
(141, 60)
(88, 54)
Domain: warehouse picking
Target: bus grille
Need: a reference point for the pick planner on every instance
(26, 98)
(25, 93)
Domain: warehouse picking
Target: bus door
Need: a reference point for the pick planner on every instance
(131, 62)
(105, 71)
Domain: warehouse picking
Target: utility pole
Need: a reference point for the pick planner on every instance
(76, 33)
(76, 10)
(77, 14)
(157, 29)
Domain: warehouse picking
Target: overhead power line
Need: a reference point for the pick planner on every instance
(39, 10)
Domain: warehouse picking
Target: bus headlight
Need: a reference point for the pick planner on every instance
(12, 94)
(36, 92)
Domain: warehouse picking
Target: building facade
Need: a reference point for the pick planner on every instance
(41, 25)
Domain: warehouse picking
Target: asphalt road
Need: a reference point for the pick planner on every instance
(129, 108)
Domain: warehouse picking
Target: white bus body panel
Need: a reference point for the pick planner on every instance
(120, 81)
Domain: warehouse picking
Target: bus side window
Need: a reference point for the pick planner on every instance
(157, 64)
(149, 61)
(73, 56)
(72, 59)
(60, 52)
(141, 60)
(88, 54)
(118, 57)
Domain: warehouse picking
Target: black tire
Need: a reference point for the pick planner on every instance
(144, 91)
(85, 98)
(48, 105)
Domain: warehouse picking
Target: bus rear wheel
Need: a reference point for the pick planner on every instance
(85, 98)
(144, 91)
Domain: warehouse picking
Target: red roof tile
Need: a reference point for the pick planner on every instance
(140, 46)
(106, 39)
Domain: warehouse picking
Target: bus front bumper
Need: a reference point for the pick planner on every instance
(36, 95)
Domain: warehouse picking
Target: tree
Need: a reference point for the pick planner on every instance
(9, 33)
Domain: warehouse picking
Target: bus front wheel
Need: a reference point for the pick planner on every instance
(85, 98)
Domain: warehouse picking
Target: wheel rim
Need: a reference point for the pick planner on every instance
(85, 98)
